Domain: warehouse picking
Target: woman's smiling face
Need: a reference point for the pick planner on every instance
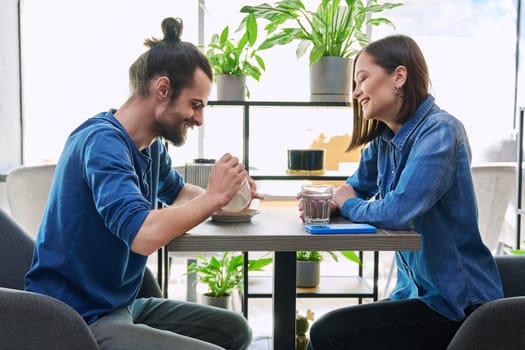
(375, 90)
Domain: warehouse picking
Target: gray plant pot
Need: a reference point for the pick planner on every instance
(231, 87)
(308, 273)
(330, 79)
(224, 302)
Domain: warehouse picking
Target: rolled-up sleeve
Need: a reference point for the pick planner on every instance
(115, 186)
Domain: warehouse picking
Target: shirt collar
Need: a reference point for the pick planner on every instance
(110, 117)
(407, 128)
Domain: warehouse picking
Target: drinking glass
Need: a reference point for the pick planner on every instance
(316, 203)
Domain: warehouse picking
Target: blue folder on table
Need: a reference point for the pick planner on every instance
(352, 228)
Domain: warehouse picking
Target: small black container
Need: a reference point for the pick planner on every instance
(306, 159)
(204, 161)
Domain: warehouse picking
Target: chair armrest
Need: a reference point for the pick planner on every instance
(498, 324)
(34, 321)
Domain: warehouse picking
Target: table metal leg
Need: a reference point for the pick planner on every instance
(159, 267)
(245, 285)
(165, 271)
(284, 300)
(376, 275)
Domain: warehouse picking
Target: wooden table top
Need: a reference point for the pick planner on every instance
(279, 228)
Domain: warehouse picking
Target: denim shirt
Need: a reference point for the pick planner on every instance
(420, 180)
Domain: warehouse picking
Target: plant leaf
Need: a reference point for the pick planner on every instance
(251, 29)
(333, 28)
(350, 255)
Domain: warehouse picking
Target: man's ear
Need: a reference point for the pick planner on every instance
(162, 87)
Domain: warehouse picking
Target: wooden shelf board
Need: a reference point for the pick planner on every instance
(330, 286)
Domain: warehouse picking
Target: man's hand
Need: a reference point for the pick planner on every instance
(226, 177)
(253, 188)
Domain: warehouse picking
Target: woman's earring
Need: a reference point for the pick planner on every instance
(398, 92)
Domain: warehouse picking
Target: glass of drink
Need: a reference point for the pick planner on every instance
(316, 203)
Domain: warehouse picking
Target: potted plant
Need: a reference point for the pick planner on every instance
(333, 33)
(308, 268)
(234, 60)
(223, 274)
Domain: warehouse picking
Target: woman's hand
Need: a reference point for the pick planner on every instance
(300, 205)
(343, 193)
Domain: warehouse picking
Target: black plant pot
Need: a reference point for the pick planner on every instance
(305, 159)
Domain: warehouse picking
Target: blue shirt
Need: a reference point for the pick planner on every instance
(103, 189)
(421, 180)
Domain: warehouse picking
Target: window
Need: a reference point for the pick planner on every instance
(76, 56)
(470, 50)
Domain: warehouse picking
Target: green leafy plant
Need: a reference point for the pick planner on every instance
(318, 256)
(516, 251)
(333, 29)
(236, 57)
(225, 273)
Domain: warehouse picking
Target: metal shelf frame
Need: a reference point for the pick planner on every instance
(519, 178)
(261, 175)
(247, 105)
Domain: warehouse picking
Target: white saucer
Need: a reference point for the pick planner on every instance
(242, 216)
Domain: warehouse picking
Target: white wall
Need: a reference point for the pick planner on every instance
(10, 154)
(10, 139)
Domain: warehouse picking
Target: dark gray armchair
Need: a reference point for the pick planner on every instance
(499, 324)
(34, 321)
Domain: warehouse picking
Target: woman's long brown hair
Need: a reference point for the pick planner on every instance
(389, 53)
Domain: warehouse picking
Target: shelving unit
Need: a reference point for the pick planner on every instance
(246, 107)
(330, 286)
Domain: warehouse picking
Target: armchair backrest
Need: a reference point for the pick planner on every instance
(27, 194)
(16, 252)
(494, 183)
(498, 324)
(512, 271)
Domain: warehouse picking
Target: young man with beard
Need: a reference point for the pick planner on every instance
(101, 221)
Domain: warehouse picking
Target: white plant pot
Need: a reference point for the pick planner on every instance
(231, 87)
(308, 273)
(330, 79)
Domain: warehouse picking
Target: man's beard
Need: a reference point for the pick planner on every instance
(174, 133)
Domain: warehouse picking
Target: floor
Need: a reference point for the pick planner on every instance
(260, 309)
